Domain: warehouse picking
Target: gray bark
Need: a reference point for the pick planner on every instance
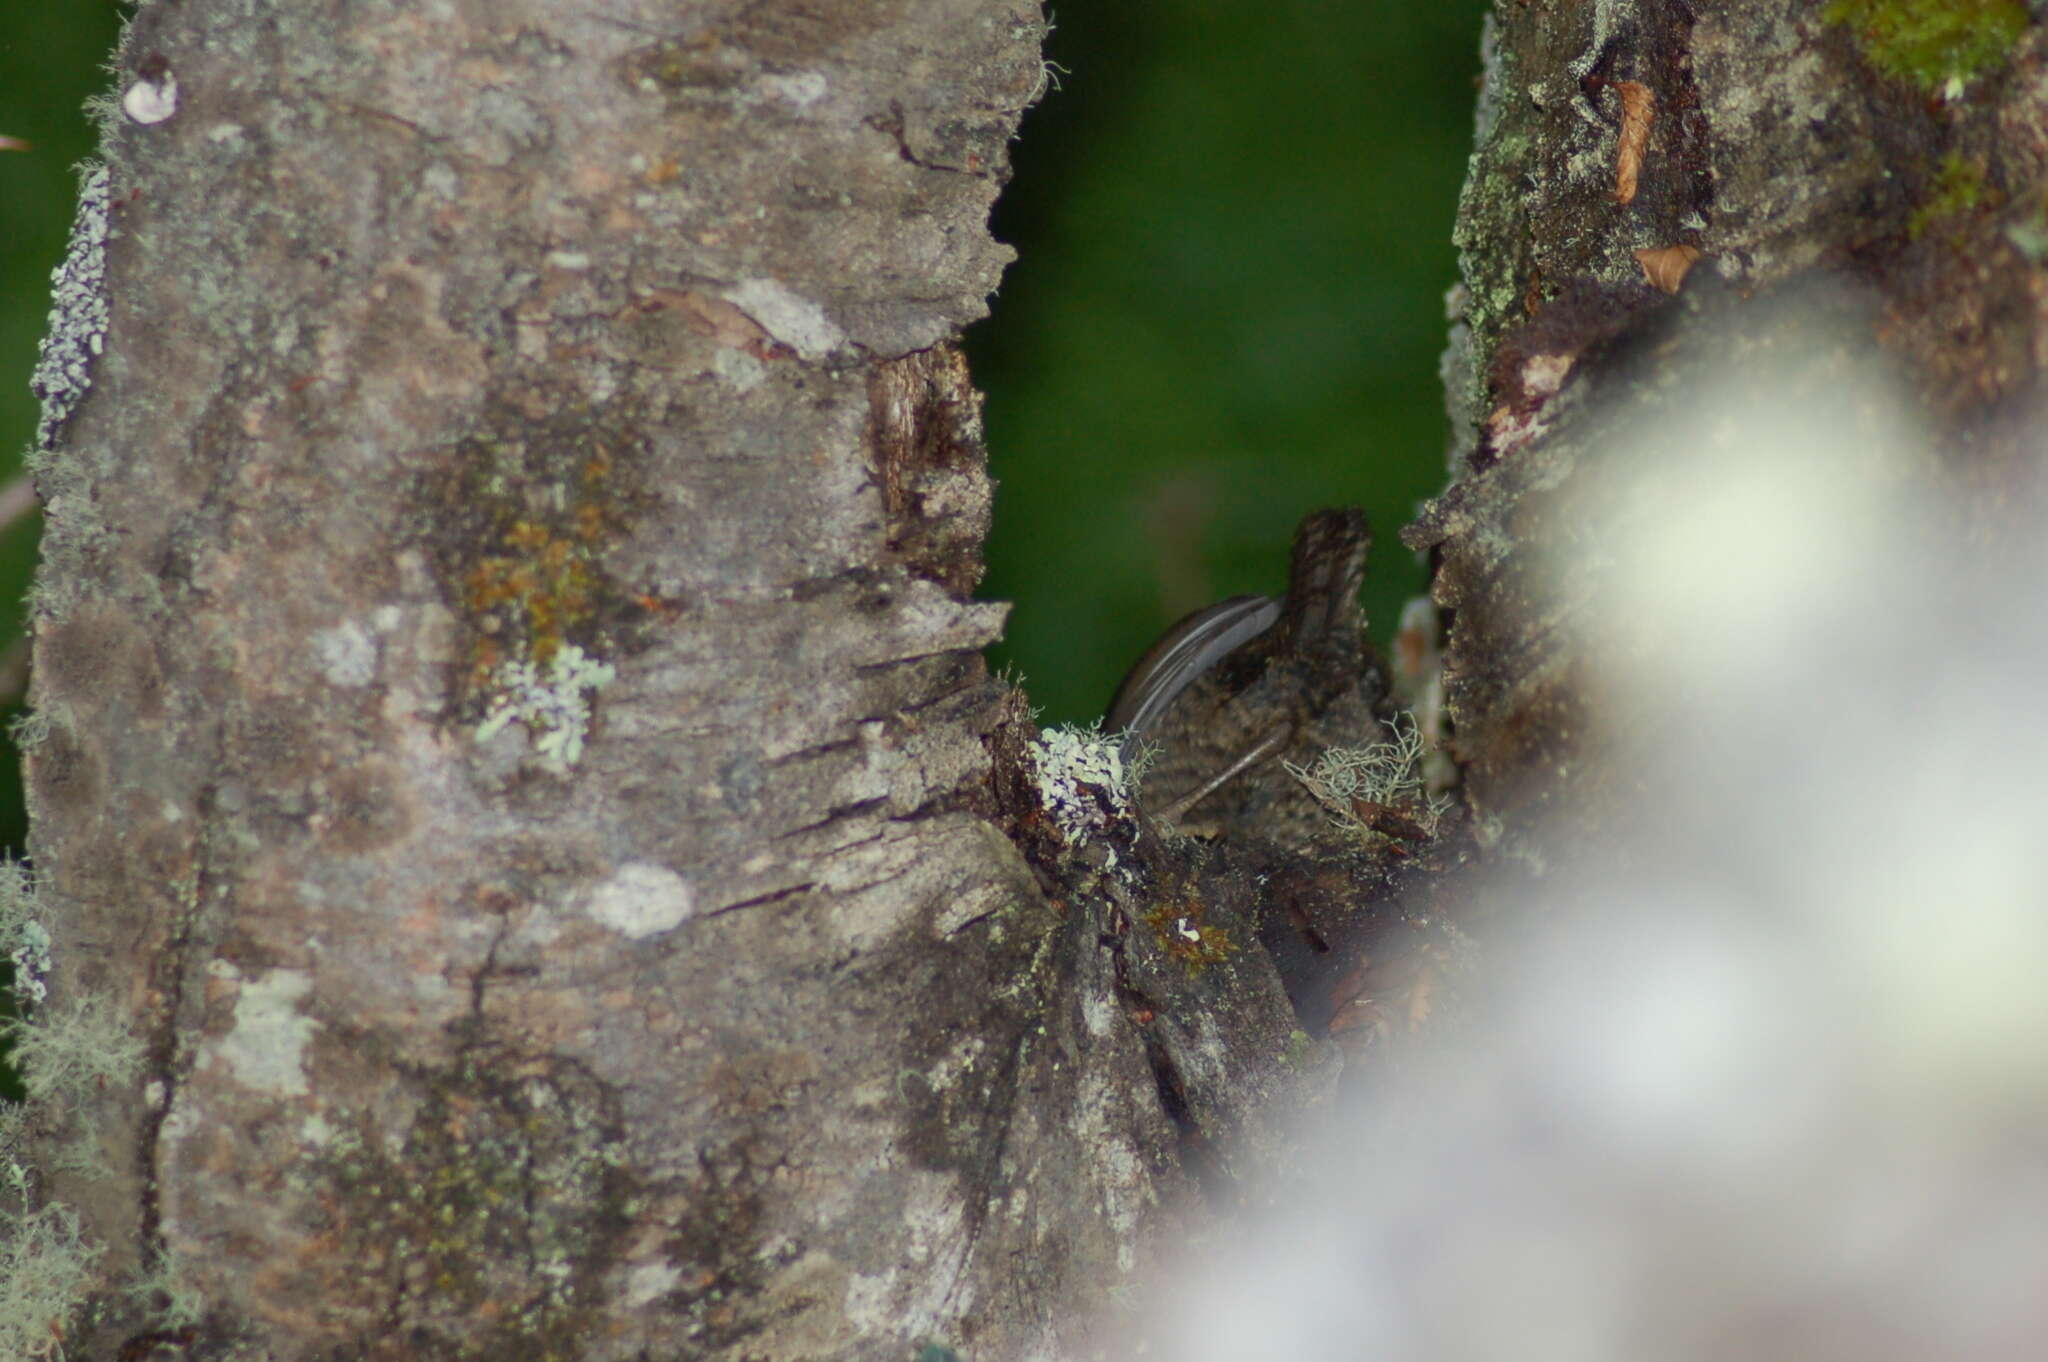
(513, 741)
(1848, 194)
(525, 831)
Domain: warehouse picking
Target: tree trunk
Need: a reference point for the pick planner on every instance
(529, 850)
(514, 746)
(1666, 196)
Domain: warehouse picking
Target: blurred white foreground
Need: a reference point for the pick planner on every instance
(1778, 1088)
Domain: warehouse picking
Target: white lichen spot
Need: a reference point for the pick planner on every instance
(738, 368)
(641, 899)
(567, 260)
(1098, 1013)
(78, 313)
(266, 1047)
(31, 960)
(788, 316)
(347, 653)
(648, 1282)
(552, 701)
(869, 1301)
(151, 100)
(801, 88)
(1081, 780)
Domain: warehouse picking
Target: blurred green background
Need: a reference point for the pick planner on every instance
(1234, 231)
(52, 56)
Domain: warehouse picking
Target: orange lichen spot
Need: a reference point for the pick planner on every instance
(1180, 931)
(546, 580)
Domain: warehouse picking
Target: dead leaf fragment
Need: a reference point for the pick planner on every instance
(1638, 111)
(1666, 266)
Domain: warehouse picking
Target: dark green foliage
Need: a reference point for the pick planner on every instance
(1234, 225)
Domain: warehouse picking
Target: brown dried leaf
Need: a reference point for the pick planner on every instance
(1666, 266)
(1638, 112)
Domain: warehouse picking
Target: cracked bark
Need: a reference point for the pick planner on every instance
(516, 746)
(516, 731)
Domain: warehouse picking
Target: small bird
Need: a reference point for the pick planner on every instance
(1233, 691)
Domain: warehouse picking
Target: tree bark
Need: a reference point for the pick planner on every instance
(529, 849)
(1813, 190)
(514, 746)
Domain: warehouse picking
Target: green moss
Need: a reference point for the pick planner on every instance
(1938, 46)
(1958, 188)
(523, 514)
(491, 1226)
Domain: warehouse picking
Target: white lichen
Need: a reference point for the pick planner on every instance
(266, 1050)
(78, 312)
(1081, 780)
(552, 700)
(1351, 781)
(23, 937)
(151, 101)
(641, 899)
(787, 315)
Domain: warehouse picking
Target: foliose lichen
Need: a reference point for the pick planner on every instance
(551, 698)
(78, 312)
(1081, 780)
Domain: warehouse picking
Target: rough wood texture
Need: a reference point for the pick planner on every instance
(1815, 183)
(514, 723)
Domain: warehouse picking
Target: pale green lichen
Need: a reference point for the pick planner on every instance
(1081, 779)
(24, 940)
(552, 699)
(46, 1274)
(1353, 782)
(82, 1047)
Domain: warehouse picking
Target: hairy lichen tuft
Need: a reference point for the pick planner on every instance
(82, 1047)
(1369, 789)
(46, 1275)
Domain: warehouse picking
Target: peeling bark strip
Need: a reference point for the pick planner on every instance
(514, 718)
(924, 422)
